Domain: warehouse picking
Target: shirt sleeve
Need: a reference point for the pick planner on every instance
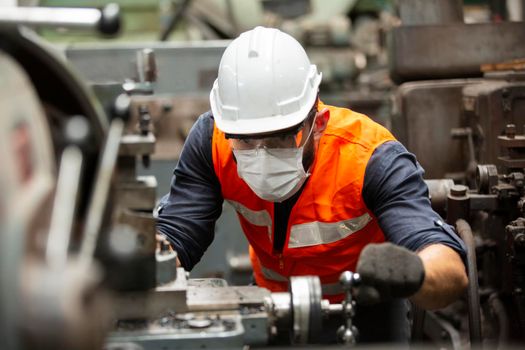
(187, 215)
(395, 192)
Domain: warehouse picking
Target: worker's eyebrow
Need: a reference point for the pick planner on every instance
(290, 131)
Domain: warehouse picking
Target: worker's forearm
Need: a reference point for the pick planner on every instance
(445, 277)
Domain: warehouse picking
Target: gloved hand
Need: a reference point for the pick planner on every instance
(388, 271)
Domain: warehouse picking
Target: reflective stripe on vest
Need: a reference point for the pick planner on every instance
(327, 288)
(254, 217)
(315, 233)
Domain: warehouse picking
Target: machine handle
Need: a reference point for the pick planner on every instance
(106, 20)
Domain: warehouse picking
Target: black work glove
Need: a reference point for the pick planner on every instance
(388, 271)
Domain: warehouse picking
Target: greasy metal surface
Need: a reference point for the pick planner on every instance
(190, 313)
(256, 327)
(426, 112)
(151, 304)
(225, 298)
(452, 50)
(181, 331)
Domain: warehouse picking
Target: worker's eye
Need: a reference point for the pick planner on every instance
(289, 138)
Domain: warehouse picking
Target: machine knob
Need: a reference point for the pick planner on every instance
(109, 23)
(348, 333)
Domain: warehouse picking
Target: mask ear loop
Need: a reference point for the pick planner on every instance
(307, 171)
(310, 133)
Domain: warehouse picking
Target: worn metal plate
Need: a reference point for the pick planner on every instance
(452, 50)
(180, 331)
(426, 113)
(224, 298)
(171, 296)
(134, 144)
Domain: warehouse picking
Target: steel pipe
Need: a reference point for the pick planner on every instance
(474, 311)
(107, 20)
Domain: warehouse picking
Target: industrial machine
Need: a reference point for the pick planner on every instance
(80, 263)
(81, 266)
(460, 110)
(485, 201)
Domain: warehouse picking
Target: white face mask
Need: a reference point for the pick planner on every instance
(274, 174)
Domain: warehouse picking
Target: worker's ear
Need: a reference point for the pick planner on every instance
(320, 122)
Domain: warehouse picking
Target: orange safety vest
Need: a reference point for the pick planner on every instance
(329, 224)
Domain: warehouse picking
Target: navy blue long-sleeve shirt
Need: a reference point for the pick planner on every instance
(394, 190)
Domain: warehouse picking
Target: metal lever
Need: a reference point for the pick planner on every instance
(99, 198)
(62, 219)
(348, 333)
(106, 20)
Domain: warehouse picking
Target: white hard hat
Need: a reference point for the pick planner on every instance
(266, 83)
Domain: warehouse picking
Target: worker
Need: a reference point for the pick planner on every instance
(313, 185)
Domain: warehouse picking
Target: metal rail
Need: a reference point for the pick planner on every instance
(105, 20)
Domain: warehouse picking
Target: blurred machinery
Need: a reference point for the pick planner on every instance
(79, 263)
(52, 138)
(464, 122)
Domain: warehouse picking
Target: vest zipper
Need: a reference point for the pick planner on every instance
(281, 262)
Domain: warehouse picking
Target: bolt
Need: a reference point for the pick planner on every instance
(348, 310)
(459, 190)
(167, 107)
(165, 246)
(510, 131)
(346, 279)
(145, 120)
(141, 239)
